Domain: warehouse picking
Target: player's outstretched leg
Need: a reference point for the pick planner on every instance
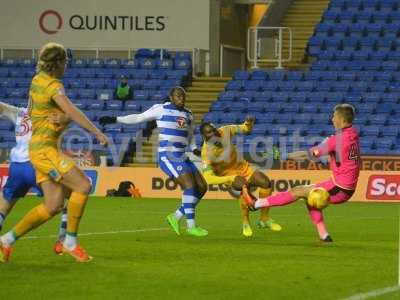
(279, 199)
(265, 220)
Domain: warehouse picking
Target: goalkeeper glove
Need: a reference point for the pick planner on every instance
(107, 120)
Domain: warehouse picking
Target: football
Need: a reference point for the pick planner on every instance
(318, 198)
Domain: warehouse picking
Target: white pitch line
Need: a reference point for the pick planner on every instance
(100, 233)
(375, 293)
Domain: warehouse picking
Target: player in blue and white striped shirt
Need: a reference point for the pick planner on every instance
(176, 126)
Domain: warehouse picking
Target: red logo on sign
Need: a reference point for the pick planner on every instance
(181, 122)
(46, 14)
(3, 176)
(383, 187)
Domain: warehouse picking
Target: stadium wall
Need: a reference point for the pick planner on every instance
(106, 24)
(378, 186)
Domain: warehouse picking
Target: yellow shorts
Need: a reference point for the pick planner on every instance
(50, 164)
(243, 169)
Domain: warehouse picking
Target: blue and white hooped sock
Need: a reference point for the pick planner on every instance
(179, 213)
(2, 219)
(63, 226)
(189, 200)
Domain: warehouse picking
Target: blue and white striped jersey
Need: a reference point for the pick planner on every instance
(176, 127)
(23, 131)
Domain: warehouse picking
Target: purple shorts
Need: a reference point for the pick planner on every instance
(337, 194)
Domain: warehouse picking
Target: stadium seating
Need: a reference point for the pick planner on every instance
(356, 56)
(90, 83)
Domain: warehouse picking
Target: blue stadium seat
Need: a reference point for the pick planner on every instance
(228, 96)
(263, 96)
(132, 106)
(147, 63)
(113, 105)
(370, 131)
(280, 97)
(390, 66)
(246, 96)
(254, 107)
(5, 125)
(297, 97)
(16, 92)
(79, 63)
(253, 85)
(176, 74)
(97, 105)
(158, 74)
(8, 82)
(239, 107)
(141, 94)
(153, 84)
(4, 72)
(159, 96)
(271, 86)
(104, 94)
(104, 73)
(182, 64)
(95, 63)
(86, 73)
(384, 109)
(74, 83)
(112, 63)
(378, 119)
(241, 75)
(234, 85)
(129, 64)
(259, 75)
(86, 93)
(90, 83)
(165, 64)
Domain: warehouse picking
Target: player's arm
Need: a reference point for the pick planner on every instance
(326, 147)
(244, 128)
(151, 114)
(9, 111)
(73, 113)
(59, 119)
(298, 155)
(192, 141)
(211, 178)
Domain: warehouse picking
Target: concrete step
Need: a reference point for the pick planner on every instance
(218, 84)
(212, 79)
(204, 89)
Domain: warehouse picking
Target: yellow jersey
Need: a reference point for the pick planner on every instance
(222, 157)
(41, 105)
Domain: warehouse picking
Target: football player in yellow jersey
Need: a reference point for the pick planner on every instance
(222, 165)
(54, 173)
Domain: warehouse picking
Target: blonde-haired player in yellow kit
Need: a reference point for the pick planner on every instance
(54, 173)
(221, 165)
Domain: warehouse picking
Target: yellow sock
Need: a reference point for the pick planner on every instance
(264, 193)
(35, 217)
(75, 208)
(245, 212)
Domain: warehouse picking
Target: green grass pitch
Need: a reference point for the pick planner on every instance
(136, 255)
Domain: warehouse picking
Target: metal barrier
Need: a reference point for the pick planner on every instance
(254, 45)
(198, 55)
